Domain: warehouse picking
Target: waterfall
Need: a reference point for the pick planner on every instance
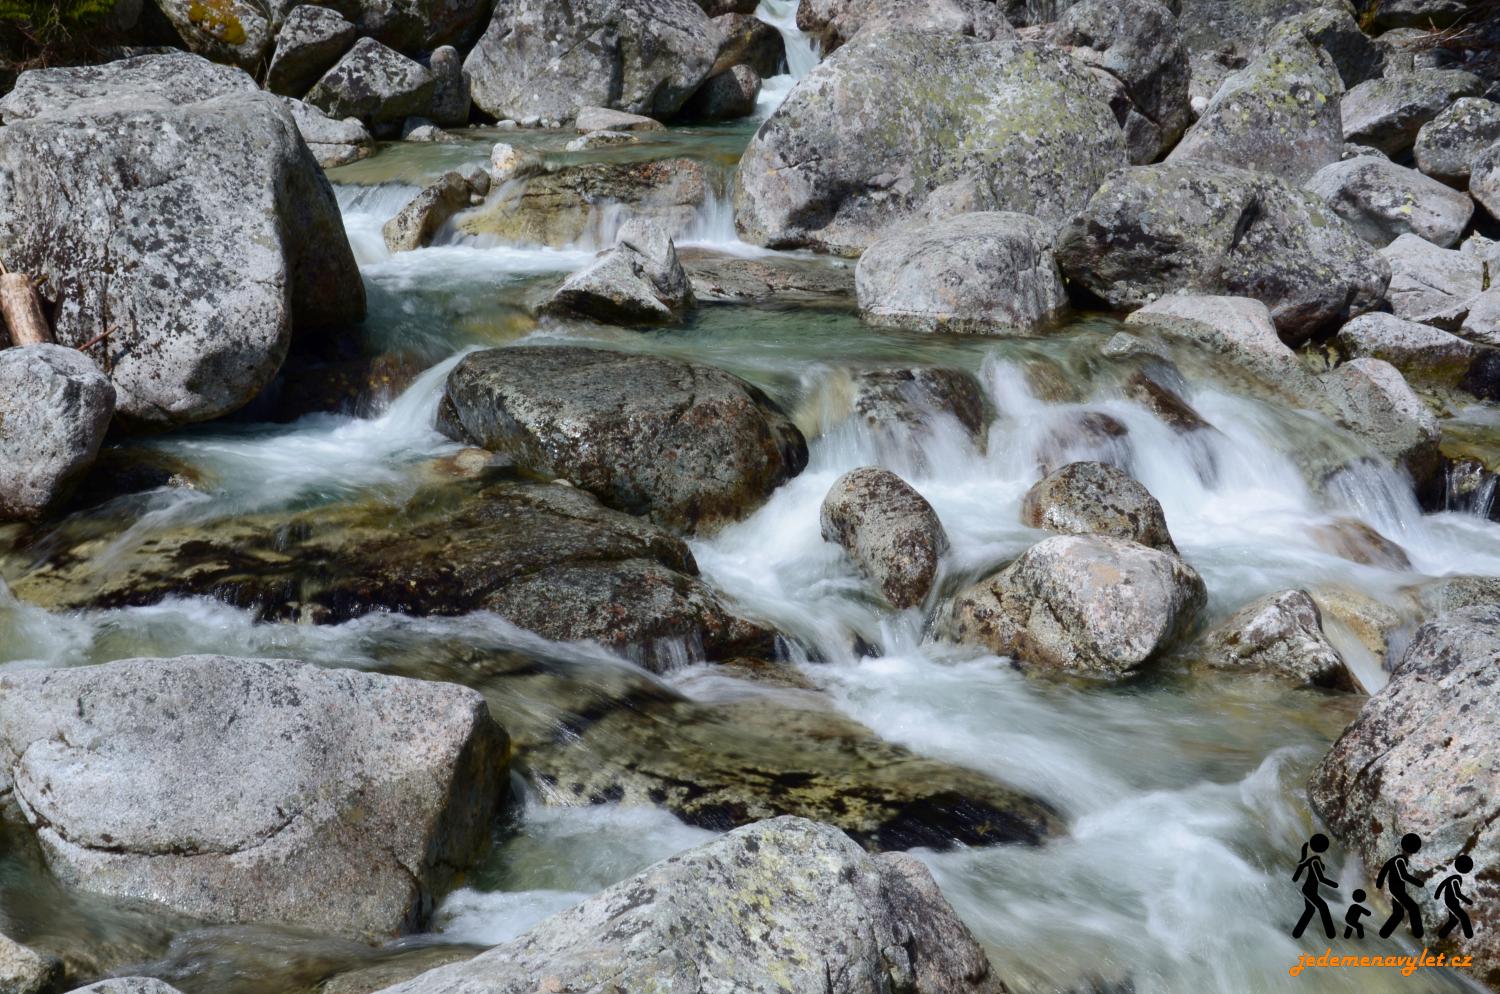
(802, 53)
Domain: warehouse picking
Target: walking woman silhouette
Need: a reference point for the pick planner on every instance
(1313, 901)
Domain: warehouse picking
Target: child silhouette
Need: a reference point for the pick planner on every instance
(1451, 893)
(1352, 924)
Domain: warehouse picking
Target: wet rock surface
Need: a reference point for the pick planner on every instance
(1281, 633)
(1089, 498)
(889, 530)
(690, 445)
(348, 819)
(55, 406)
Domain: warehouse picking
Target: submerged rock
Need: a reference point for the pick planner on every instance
(1422, 756)
(415, 225)
(872, 131)
(1209, 229)
(1137, 43)
(888, 529)
(55, 406)
(1387, 113)
(563, 205)
(517, 549)
(773, 280)
(604, 119)
(1278, 115)
(1081, 603)
(988, 272)
(639, 281)
(261, 790)
(539, 59)
(839, 919)
(204, 193)
(1090, 498)
(904, 404)
(1383, 201)
(1279, 633)
(690, 445)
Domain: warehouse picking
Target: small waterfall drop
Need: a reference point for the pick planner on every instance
(802, 53)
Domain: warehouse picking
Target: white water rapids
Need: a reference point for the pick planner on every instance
(1184, 798)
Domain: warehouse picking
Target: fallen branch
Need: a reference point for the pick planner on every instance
(97, 338)
(22, 309)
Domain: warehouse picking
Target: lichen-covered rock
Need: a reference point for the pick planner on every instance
(888, 529)
(1137, 43)
(1423, 756)
(1374, 401)
(1333, 29)
(1422, 353)
(26, 971)
(725, 96)
(450, 88)
(1279, 633)
(55, 406)
(1090, 498)
(834, 22)
(990, 272)
(376, 84)
(1086, 603)
(539, 59)
(558, 206)
(1207, 229)
(639, 281)
(1238, 29)
(547, 557)
(1278, 115)
(310, 41)
(865, 138)
(1387, 113)
(604, 119)
(203, 192)
(1447, 145)
(234, 31)
(332, 143)
(261, 790)
(416, 223)
(1484, 179)
(690, 445)
(1431, 284)
(1383, 201)
(839, 919)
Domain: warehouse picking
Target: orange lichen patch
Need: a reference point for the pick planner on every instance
(217, 17)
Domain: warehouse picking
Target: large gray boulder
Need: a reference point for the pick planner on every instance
(1086, 603)
(1278, 115)
(1333, 29)
(544, 60)
(1280, 633)
(1207, 229)
(990, 272)
(1374, 400)
(748, 41)
(833, 22)
(1484, 179)
(870, 133)
(1135, 42)
(310, 41)
(1422, 353)
(451, 100)
(639, 281)
(237, 32)
(260, 790)
(1431, 284)
(332, 143)
(889, 530)
(1383, 201)
(1423, 756)
(1090, 498)
(55, 406)
(725, 96)
(415, 26)
(690, 445)
(212, 240)
(839, 920)
(1447, 145)
(1240, 29)
(1387, 113)
(376, 84)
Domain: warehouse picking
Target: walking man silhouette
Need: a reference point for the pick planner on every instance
(1311, 899)
(1394, 876)
(1451, 893)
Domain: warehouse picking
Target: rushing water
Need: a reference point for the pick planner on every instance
(1183, 792)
